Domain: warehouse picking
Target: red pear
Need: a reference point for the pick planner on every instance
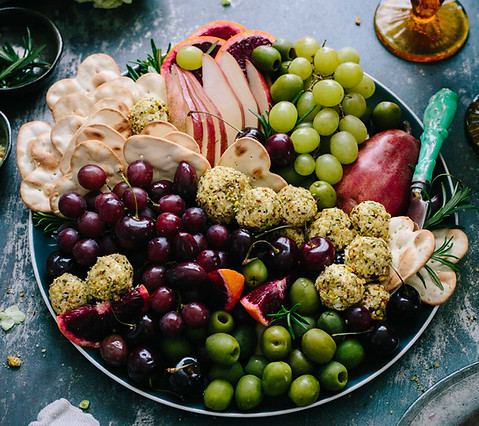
(382, 172)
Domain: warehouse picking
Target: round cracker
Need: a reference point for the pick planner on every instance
(158, 128)
(152, 85)
(37, 188)
(26, 135)
(72, 104)
(95, 70)
(115, 91)
(428, 290)
(183, 139)
(62, 88)
(163, 155)
(110, 103)
(64, 130)
(112, 118)
(247, 155)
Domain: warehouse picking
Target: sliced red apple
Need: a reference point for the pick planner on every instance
(194, 125)
(240, 85)
(217, 88)
(259, 87)
(220, 143)
(207, 147)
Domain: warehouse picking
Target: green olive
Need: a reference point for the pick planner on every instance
(350, 353)
(303, 291)
(232, 372)
(386, 115)
(285, 48)
(220, 322)
(304, 390)
(218, 395)
(255, 273)
(333, 376)
(256, 365)
(277, 376)
(266, 58)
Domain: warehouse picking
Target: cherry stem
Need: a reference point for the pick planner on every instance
(248, 259)
(352, 333)
(274, 229)
(174, 370)
(133, 192)
(214, 115)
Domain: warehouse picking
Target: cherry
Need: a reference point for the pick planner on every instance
(316, 254)
(282, 257)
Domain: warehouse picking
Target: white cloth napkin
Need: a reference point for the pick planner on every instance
(62, 413)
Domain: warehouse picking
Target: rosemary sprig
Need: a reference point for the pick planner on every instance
(48, 222)
(18, 69)
(152, 63)
(291, 316)
(458, 201)
(264, 121)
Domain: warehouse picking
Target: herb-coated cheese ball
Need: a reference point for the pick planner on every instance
(258, 209)
(375, 298)
(219, 192)
(298, 206)
(296, 234)
(335, 225)
(369, 258)
(371, 219)
(339, 287)
(145, 111)
(110, 277)
(67, 292)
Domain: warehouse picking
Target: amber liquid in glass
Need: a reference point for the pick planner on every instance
(421, 30)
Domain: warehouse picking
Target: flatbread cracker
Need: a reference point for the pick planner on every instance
(411, 248)
(158, 128)
(64, 130)
(428, 290)
(183, 139)
(87, 152)
(110, 103)
(72, 104)
(163, 155)
(250, 157)
(152, 85)
(26, 135)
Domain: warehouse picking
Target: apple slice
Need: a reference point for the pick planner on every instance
(259, 87)
(194, 125)
(217, 88)
(240, 85)
(220, 142)
(207, 146)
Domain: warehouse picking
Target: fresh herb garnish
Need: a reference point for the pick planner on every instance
(19, 69)
(152, 63)
(291, 317)
(48, 222)
(264, 121)
(458, 201)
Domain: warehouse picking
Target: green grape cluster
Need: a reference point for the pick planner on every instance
(320, 99)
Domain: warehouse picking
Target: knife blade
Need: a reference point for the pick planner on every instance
(438, 117)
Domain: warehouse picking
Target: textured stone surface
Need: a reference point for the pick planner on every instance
(52, 368)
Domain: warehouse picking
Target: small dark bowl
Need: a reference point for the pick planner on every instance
(5, 137)
(13, 28)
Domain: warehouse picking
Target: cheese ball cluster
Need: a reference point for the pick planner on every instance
(362, 237)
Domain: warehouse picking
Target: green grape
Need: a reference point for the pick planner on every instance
(324, 194)
(303, 125)
(355, 126)
(326, 121)
(189, 57)
(283, 116)
(326, 60)
(348, 54)
(329, 169)
(366, 87)
(344, 147)
(386, 115)
(305, 140)
(328, 93)
(306, 47)
(283, 69)
(304, 104)
(354, 104)
(286, 87)
(304, 164)
(348, 74)
(301, 67)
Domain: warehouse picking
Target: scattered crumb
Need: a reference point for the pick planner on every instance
(84, 404)
(14, 361)
(358, 20)
(391, 412)
(43, 351)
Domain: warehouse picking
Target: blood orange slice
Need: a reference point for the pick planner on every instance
(229, 283)
(89, 324)
(265, 299)
(203, 43)
(220, 29)
(242, 45)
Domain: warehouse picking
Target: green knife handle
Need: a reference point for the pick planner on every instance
(438, 116)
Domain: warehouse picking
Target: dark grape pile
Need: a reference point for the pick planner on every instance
(173, 247)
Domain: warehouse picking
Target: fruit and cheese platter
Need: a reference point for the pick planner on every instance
(224, 228)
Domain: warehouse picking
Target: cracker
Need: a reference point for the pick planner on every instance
(115, 91)
(183, 139)
(112, 118)
(87, 152)
(43, 152)
(99, 132)
(163, 155)
(158, 128)
(26, 135)
(411, 248)
(152, 85)
(62, 88)
(428, 290)
(64, 130)
(72, 104)
(250, 157)
(37, 188)
(110, 103)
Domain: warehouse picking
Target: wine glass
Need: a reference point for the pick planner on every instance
(421, 30)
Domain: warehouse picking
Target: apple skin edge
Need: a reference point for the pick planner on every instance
(382, 172)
